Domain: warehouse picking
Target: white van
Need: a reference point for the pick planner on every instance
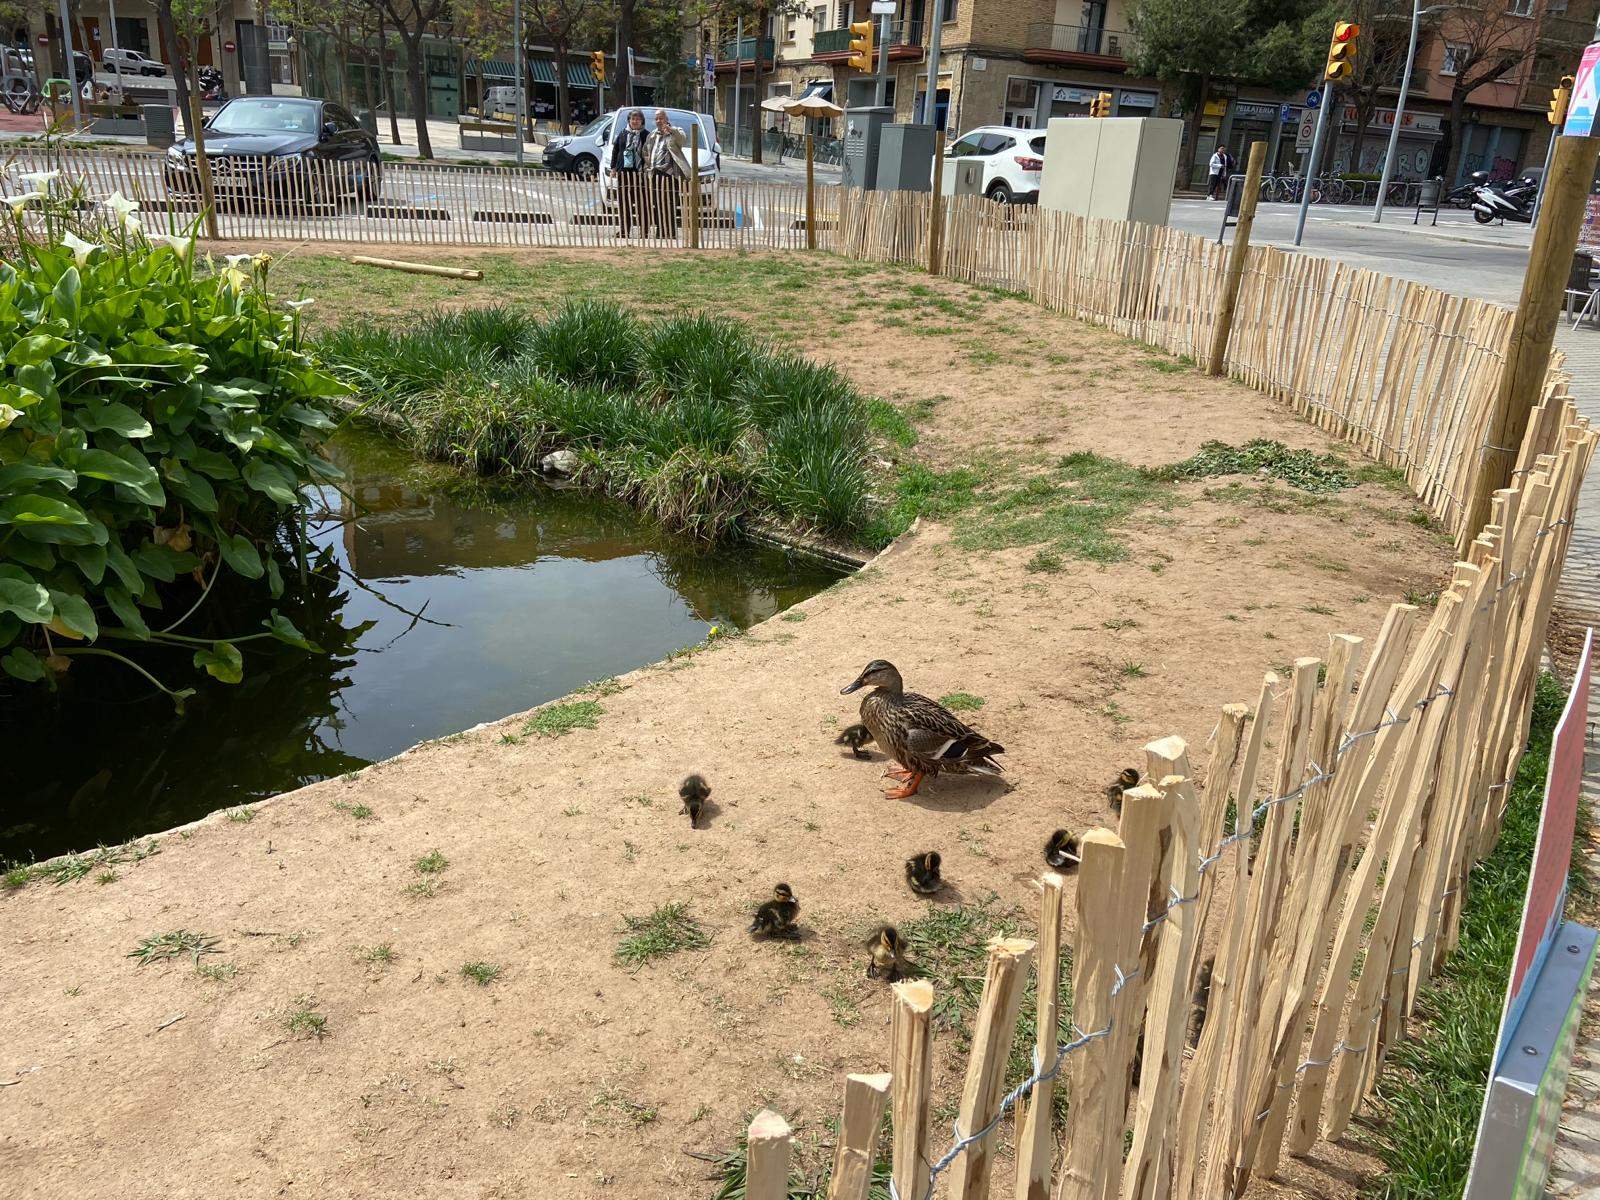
(130, 62)
(500, 102)
(584, 153)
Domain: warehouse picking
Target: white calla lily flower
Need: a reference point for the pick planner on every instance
(182, 243)
(23, 199)
(238, 261)
(8, 415)
(297, 305)
(40, 180)
(80, 248)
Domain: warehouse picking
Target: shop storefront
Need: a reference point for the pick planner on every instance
(1419, 133)
(1263, 121)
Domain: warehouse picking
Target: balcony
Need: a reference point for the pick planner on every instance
(744, 51)
(1079, 45)
(905, 42)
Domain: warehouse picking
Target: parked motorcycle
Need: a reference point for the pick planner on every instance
(211, 87)
(1513, 202)
(1463, 196)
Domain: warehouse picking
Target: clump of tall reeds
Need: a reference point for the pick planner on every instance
(691, 419)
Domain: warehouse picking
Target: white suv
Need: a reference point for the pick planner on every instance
(1012, 161)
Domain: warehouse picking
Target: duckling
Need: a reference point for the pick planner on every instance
(1128, 779)
(1201, 1000)
(1061, 852)
(922, 873)
(777, 916)
(857, 737)
(694, 791)
(883, 954)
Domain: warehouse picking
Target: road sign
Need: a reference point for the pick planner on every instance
(711, 71)
(1313, 99)
(1581, 111)
(1285, 114)
(1307, 130)
(884, 8)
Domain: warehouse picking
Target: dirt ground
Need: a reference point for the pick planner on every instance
(569, 1075)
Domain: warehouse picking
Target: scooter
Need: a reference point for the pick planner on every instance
(1463, 196)
(1513, 203)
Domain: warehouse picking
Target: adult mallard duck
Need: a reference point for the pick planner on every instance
(920, 734)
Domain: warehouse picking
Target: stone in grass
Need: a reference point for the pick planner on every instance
(563, 463)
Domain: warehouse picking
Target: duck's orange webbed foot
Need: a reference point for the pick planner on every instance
(913, 782)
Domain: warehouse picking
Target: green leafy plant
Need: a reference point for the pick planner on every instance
(666, 930)
(158, 421)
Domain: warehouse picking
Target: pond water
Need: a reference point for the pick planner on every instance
(525, 594)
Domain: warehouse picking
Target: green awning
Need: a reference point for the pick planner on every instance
(492, 68)
(542, 70)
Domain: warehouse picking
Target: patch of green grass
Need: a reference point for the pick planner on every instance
(1423, 1117)
(1045, 561)
(301, 1018)
(556, 720)
(16, 877)
(1303, 469)
(481, 973)
(357, 812)
(380, 955)
(920, 491)
(1132, 670)
(1166, 366)
(961, 702)
(431, 863)
(666, 930)
(74, 867)
(179, 943)
(215, 972)
(890, 423)
(242, 815)
(793, 614)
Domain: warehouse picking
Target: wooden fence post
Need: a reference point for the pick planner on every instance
(936, 205)
(986, 1066)
(1533, 329)
(1236, 257)
(864, 1098)
(1035, 1145)
(767, 1161)
(811, 193)
(912, 1068)
(1093, 976)
(693, 230)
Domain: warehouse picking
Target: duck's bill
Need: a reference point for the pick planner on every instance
(852, 687)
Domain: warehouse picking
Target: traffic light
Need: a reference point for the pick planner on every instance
(1342, 51)
(597, 64)
(861, 45)
(1100, 106)
(1560, 98)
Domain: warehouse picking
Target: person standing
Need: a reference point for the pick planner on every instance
(628, 153)
(1217, 173)
(669, 167)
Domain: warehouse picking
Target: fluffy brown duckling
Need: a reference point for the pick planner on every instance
(1061, 852)
(884, 959)
(694, 792)
(922, 873)
(1128, 779)
(857, 737)
(777, 916)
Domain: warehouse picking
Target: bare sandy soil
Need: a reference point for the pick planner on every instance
(569, 1075)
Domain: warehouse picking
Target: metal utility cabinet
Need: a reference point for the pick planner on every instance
(905, 158)
(1118, 168)
(862, 130)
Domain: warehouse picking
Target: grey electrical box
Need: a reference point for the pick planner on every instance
(862, 129)
(962, 176)
(905, 158)
(158, 124)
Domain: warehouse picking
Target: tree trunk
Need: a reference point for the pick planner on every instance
(755, 86)
(1447, 151)
(1192, 149)
(169, 47)
(366, 77)
(563, 95)
(624, 44)
(208, 195)
(387, 78)
(416, 80)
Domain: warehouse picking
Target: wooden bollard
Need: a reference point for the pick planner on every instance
(864, 1099)
(768, 1144)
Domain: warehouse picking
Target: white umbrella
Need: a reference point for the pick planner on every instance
(777, 104)
(813, 106)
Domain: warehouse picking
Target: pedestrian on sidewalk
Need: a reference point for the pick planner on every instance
(628, 157)
(669, 167)
(1217, 177)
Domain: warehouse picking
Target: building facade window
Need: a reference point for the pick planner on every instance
(819, 19)
(1454, 55)
(947, 10)
(1520, 8)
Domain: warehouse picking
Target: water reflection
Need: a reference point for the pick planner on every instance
(523, 595)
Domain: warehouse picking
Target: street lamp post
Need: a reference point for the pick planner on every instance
(1417, 13)
(522, 95)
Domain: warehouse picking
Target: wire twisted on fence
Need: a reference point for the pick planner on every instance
(1123, 978)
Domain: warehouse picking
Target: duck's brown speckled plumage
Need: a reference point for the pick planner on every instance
(921, 734)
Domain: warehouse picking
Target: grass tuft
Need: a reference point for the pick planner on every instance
(481, 973)
(301, 1018)
(178, 944)
(431, 863)
(554, 720)
(961, 702)
(666, 930)
(1304, 469)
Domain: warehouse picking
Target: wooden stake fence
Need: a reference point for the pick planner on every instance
(1388, 785)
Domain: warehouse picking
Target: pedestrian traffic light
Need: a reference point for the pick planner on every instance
(1560, 98)
(861, 45)
(1342, 51)
(597, 64)
(1100, 106)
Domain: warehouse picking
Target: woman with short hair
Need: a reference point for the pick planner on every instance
(628, 156)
